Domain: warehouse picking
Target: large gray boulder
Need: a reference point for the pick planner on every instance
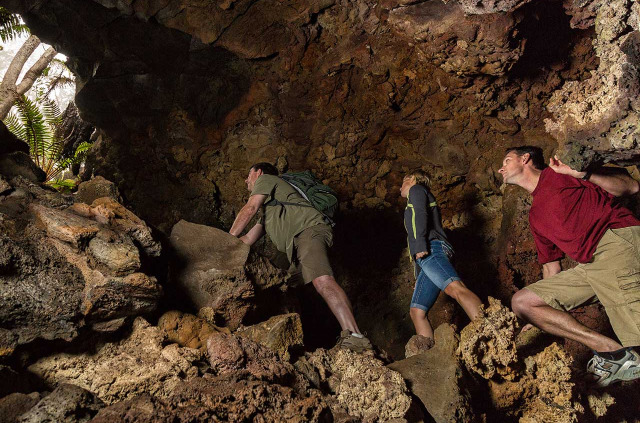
(209, 269)
(436, 378)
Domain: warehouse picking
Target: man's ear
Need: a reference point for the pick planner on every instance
(525, 158)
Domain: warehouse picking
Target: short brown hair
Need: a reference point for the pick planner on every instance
(266, 168)
(535, 154)
(422, 177)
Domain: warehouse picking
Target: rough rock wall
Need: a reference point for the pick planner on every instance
(596, 120)
(188, 94)
(66, 266)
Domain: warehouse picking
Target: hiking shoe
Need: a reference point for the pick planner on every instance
(353, 341)
(605, 372)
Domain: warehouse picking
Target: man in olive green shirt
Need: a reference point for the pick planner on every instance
(298, 229)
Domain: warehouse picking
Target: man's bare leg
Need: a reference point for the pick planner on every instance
(421, 322)
(527, 305)
(337, 301)
(465, 297)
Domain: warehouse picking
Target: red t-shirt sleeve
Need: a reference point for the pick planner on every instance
(547, 250)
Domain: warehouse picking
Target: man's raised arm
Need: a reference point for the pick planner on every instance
(246, 213)
(617, 184)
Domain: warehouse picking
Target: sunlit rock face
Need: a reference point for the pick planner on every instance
(189, 94)
(597, 120)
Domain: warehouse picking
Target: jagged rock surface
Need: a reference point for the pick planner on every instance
(596, 120)
(221, 399)
(231, 354)
(361, 383)
(188, 330)
(138, 364)
(487, 344)
(480, 46)
(281, 334)
(66, 404)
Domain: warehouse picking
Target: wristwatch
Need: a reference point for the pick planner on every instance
(587, 175)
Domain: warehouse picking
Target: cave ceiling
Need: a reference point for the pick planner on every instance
(187, 94)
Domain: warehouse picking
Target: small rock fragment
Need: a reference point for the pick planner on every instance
(417, 345)
(95, 188)
(361, 383)
(281, 334)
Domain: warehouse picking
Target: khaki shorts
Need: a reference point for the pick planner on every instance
(612, 277)
(310, 257)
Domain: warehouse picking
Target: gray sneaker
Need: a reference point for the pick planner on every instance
(353, 341)
(605, 372)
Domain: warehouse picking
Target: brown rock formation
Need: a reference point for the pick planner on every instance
(209, 269)
(361, 384)
(135, 365)
(231, 354)
(188, 330)
(221, 399)
(16, 404)
(487, 344)
(281, 334)
(417, 345)
(596, 120)
(66, 404)
(437, 379)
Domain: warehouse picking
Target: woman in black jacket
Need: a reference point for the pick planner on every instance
(431, 253)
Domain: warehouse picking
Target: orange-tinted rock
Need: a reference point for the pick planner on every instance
(188, 330)
(65, 226)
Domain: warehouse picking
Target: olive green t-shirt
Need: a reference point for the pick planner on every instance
(283, 222)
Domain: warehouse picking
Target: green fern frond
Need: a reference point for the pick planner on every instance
(11, 26)
(36, 122)
(15, 126)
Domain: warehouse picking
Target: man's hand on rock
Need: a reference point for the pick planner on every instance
(556, 164)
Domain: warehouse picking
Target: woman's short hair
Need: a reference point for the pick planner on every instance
(422, 177)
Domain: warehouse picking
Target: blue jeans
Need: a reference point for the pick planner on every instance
(436, 273)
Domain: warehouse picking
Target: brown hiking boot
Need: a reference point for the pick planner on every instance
(353, 341)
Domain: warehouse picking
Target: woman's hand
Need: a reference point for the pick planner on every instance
(422, 254)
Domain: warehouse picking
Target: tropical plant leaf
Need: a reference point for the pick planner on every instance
(37, 123)
(14, 124)
(11, 26)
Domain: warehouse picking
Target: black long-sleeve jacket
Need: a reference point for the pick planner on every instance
(422, 220)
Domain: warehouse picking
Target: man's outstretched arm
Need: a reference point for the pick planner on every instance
(617, 184)
(253, 235)
(246, 213)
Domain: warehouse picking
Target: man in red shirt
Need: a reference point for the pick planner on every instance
(574, 213)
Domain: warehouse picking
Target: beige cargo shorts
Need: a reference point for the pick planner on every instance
(311, 259)
(612, 277)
